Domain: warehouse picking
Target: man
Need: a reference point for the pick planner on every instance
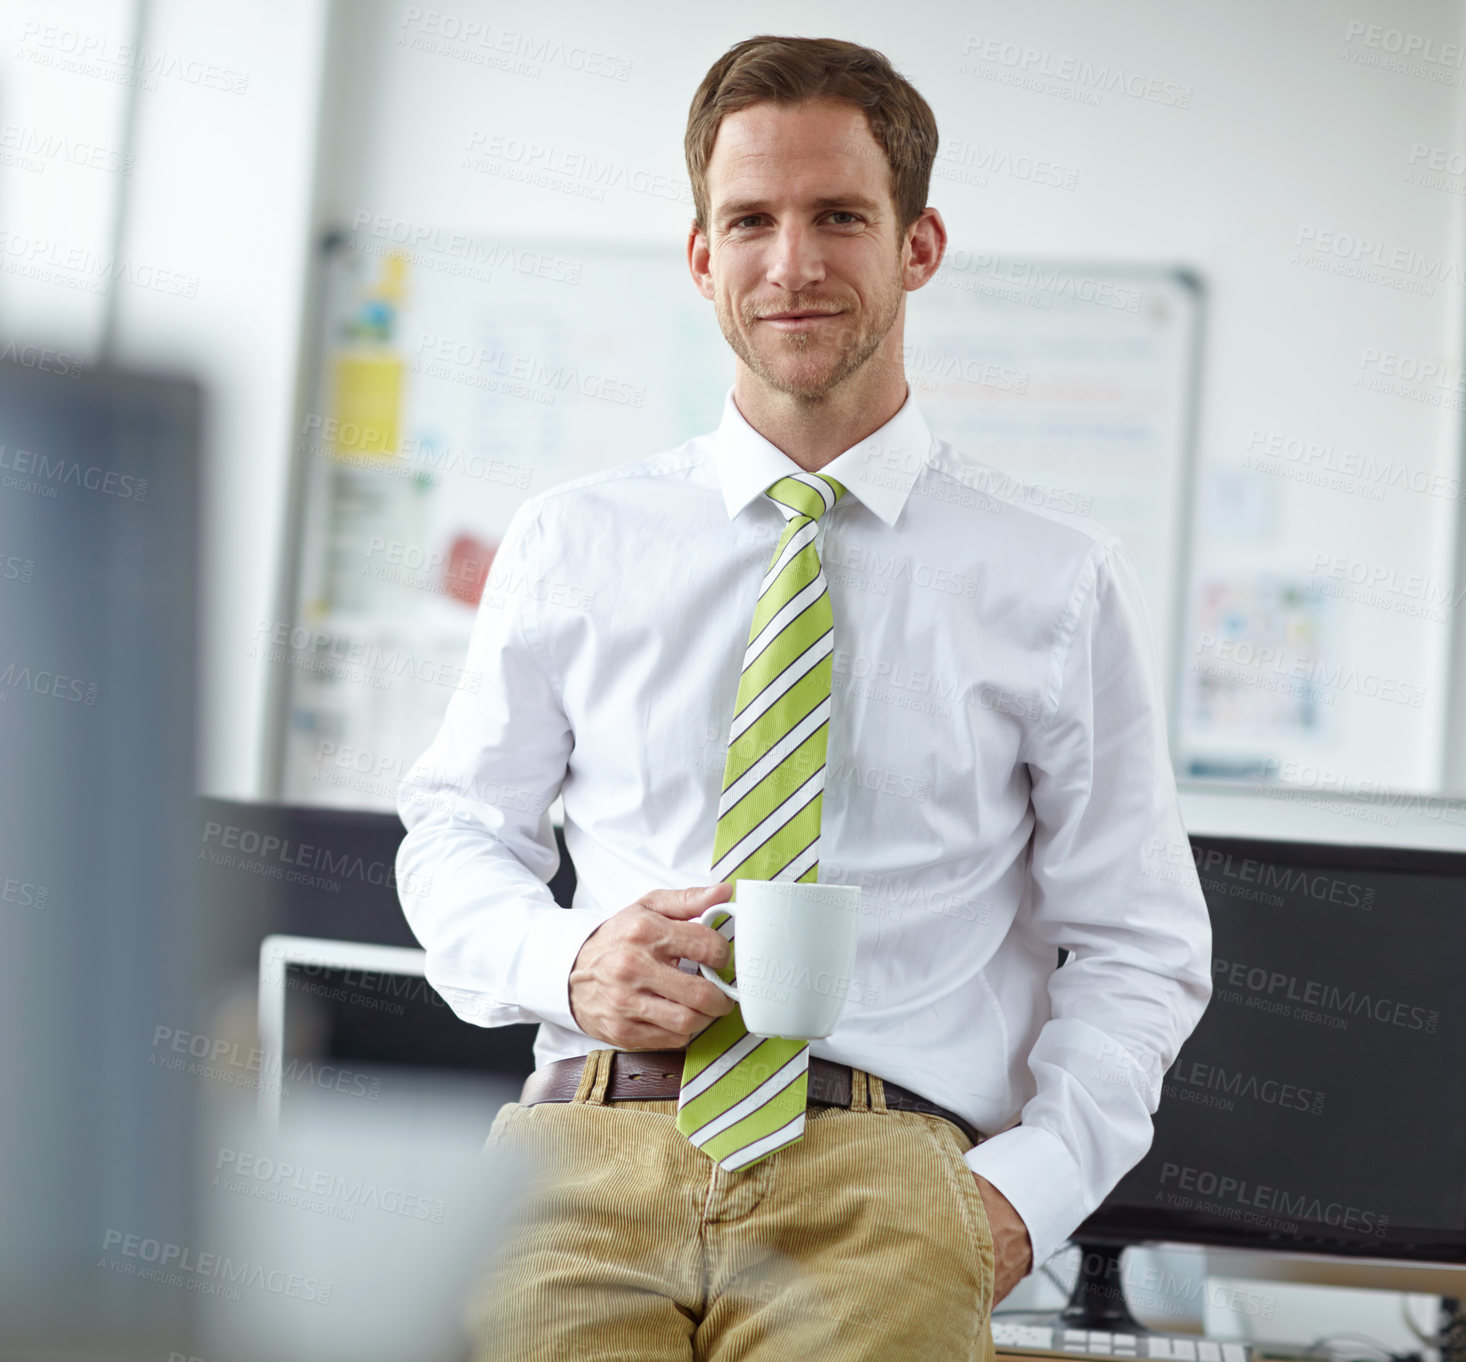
(984, 752)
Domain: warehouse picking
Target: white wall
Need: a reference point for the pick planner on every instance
(223, 192)
(1265, 128)
(1285, 132)
(210, 264)
(62, 169)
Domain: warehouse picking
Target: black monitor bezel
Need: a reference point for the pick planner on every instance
(1129, 1225)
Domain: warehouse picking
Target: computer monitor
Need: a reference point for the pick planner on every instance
(365, 1009)
(1319, 1108)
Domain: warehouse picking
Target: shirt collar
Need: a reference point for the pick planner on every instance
(879, 471)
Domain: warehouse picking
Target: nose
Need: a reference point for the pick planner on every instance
(795, 262)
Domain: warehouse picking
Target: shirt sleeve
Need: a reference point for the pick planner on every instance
(474, 867)
(1113, 882)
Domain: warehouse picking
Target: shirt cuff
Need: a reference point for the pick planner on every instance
(552, 942)
(1037, 1173)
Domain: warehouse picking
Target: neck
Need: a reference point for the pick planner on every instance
(812, 432)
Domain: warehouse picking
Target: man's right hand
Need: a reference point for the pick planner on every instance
(625, 986)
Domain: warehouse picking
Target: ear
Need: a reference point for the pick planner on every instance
(923, 248)
(699, 260)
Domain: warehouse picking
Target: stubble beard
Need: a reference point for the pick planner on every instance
(854, 346)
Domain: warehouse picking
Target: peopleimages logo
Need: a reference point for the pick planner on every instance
(1234, 1193)
(1248, 870)
(895, 568)
(41, 147)
(223, 1060)
(1370, 256)
(1370, 468)
(292, 1184)
(42, 358)
(1014, 63)
(1397, 42)
(62, 472)
(1217, 1085)
(288, 856)
(1277, 986)
(210, 1273)
(366, 662)
(442, 356)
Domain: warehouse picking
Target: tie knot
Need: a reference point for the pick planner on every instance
(806, 494)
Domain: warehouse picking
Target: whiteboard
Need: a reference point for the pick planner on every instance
(1077, 382)
(525, 363)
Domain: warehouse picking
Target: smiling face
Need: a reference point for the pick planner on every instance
(802, 255)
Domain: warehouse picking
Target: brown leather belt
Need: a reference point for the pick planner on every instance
(652, 1075)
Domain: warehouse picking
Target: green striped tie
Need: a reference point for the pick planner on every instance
(743, 1097)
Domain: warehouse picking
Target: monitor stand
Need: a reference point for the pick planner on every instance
(1098, 1298)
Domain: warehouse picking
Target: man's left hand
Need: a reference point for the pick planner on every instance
(1012, 1249)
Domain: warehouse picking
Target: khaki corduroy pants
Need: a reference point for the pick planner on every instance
(866, 1239)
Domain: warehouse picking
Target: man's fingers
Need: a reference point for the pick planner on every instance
(638, 1035)
(681, 1022)
(693, 941)
(691, 990)
(682, 939)
(626, 986)
(686, 903)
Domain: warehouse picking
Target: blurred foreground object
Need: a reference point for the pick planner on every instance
(101, 941)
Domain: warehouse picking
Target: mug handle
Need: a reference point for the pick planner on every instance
(707, 971)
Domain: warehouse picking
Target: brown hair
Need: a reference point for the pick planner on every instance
(791, 70)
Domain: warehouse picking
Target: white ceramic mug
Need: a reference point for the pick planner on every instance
(795, 948)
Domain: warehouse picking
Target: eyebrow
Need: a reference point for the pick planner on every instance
(745, 206)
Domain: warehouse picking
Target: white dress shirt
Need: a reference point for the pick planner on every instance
(997, 781)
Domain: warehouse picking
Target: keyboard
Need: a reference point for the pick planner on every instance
(1061, 1342)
